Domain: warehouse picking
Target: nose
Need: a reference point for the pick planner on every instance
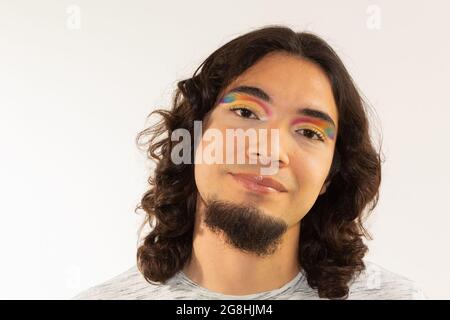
(269, 160)
(278, 149)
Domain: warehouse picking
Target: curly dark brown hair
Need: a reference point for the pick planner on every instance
(331, 238)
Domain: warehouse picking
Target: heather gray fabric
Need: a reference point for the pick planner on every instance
(374, 283)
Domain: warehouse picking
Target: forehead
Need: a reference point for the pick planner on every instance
(291, 82)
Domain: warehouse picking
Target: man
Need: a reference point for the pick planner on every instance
(231, 230)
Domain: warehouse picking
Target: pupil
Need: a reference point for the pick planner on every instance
(246, 113)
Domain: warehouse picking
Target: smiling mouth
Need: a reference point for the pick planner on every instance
(250, 184)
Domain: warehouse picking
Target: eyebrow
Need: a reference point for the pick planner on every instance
(261, 94)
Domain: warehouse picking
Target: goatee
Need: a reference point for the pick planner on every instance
(245, 227)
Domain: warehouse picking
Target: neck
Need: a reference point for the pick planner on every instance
(217, 266)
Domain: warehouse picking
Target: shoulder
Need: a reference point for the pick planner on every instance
(377, 282)
(129, 284)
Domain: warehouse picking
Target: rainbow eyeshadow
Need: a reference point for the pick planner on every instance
(236, 98)
(323, 125)
(240, 99)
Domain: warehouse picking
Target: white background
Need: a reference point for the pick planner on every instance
(73, 97)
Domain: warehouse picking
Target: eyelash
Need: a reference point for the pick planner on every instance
(317, 133)
(242, 108)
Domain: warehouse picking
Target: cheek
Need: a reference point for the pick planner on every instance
(205, 178)
(310, 172)
(199, 176)
(208, 175)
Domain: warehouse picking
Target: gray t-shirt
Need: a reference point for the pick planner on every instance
(374, 282)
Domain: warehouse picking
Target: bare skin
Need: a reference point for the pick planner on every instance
(304, 163)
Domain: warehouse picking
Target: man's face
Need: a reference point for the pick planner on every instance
(304, 159)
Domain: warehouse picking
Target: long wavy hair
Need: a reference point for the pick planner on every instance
(331, 239)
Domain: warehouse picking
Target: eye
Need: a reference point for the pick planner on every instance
(244, 112)
(311, 133)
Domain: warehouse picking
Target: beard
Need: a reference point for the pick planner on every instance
(244, 227)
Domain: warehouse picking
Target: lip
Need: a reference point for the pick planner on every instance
(258, 183)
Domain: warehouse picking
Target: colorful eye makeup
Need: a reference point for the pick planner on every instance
(236, 99)
(322, 125)
(239, 99)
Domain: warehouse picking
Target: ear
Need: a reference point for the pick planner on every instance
(324, 187)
